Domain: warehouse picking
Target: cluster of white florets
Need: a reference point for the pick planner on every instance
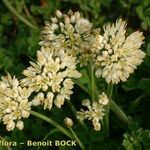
(117, 55)
(71, 32)
(51, 76)
(95, 111)
(14, 104)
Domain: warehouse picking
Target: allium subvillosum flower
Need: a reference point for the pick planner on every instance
(95, 111)
(70, 31)
(51, 76)
(14, 104)
(118, 55)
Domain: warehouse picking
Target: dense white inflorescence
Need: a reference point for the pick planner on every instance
(14, 104)
(71, 32)
(118, 55)
(51, 76)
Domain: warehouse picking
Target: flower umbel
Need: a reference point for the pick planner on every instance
(67, 31)
(51, 75)
(117, 55)
(95, 111)
(14, 104)
(71, 32)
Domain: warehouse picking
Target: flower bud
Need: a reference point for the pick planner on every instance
(36, 102)
(20, 125)
(103, 99)
(59, 101)
(67, 20)
(68, 122)
(54, 20)
(58, 14)
(44, 87)
(54, 26)
(25, 114)
(15, 82)
(10, 125)
(72, 19)
(100, 38)
(105, 54)
(8, 110)
(97, 127)
(77, 15)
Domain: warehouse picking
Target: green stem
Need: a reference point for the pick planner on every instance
(117, 110)
(93, 90)
(110, 90)
(106, 117)
(12, 9)
(75, 113)
(77, 139)
(52, 122)
(28, 13)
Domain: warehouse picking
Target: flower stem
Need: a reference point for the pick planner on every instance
(77, 139)
(8, 5)
(117, 110)
(75, 113)
(93, 89)
(106, 117)
(28, 13)
(52, 122)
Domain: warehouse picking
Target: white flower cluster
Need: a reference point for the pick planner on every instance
(14, 104)
(51, 75)
(117, 55)
(71, 32)
(65, 38)
(95, 111)
(114, 55)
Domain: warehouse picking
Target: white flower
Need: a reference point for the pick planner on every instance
(117, 55)
(94, 112)
(14, 104)
(53, 72)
